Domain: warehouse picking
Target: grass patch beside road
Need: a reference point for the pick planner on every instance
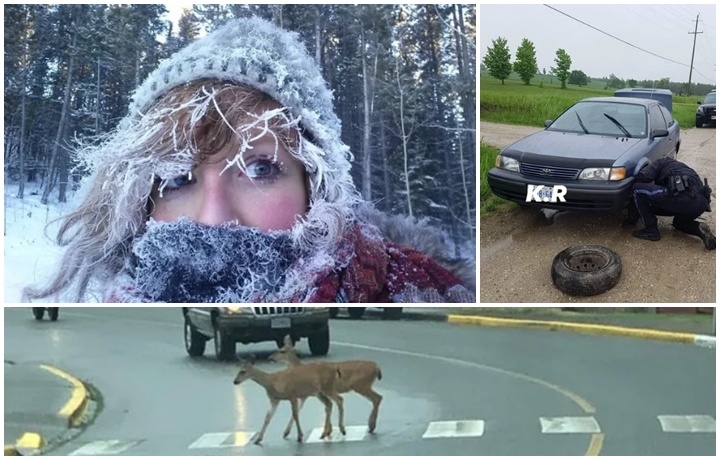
(488, 201)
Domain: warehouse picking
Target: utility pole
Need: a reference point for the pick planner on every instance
(692, 59)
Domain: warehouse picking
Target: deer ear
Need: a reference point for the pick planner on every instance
(251, 359)
(288, 341)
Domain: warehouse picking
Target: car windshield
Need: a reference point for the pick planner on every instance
(603, 118)
(709, 99)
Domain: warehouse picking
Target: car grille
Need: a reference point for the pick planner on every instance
(710, 111)
(272, 311)
(554, 172)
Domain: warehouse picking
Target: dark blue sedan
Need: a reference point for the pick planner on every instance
(588, 156)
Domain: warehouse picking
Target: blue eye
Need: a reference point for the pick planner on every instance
(263, 169)
(179, 182)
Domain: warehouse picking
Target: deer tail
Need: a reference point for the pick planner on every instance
(379, 374)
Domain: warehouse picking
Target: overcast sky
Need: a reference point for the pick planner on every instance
(659, 29)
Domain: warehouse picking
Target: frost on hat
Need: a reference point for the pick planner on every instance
(256, 53)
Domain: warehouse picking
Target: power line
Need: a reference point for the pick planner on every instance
(616, 38)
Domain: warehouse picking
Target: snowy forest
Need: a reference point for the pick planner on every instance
(403, 77)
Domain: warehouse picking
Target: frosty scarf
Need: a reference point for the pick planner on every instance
(186, 262)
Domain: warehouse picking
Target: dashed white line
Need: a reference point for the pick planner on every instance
(455, 429)
(560, 425)
(111, 447)
(687, 423)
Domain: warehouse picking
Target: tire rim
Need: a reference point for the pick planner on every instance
(188, 338)
(586, 261)
(218, 344)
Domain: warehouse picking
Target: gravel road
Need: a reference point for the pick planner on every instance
(517, 247)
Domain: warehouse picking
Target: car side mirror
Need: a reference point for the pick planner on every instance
(548, 123)
(659, 133)
(699, 102)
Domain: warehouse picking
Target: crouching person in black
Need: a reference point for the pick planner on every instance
(668, 187)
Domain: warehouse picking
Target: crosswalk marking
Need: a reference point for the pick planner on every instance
(687, 423)
(439, 429)
(353, 434)
(559, 425)
(111, 447)
(455, 429)
(218, 440)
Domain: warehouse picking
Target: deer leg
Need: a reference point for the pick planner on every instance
(375, 399)
(290, 422)
(341, 409)
(327, 431)
(268, 417)
(296, 417)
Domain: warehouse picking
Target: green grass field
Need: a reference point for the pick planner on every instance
(521, 104)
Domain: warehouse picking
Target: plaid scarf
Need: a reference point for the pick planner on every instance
(364, 268)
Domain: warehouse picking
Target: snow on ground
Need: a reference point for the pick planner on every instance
(30, 255)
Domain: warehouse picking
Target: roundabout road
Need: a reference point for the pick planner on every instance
(448, 390)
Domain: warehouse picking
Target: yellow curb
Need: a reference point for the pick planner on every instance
(74, 409)
(575, 327)
(30, 441)
(10, 451)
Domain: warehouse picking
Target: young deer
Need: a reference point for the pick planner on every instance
(295, 384)
(357, 376)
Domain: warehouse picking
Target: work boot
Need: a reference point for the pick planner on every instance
(646, 233)
(707, 236)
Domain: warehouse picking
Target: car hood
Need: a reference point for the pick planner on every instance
(587, 148)
(705, 106)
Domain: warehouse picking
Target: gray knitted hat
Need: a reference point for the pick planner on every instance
(256, 53)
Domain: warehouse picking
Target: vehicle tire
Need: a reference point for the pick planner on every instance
(392, 312)
(698, 124)
(224, 345)
(194, 341)
(356, 312)
(320, 342)
(586, 270)
(334, 312)
(38, 313)
(53, 313)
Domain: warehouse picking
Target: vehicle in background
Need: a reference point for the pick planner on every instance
(705, 114)
(39, 313)
(227, 326)
(358, 312)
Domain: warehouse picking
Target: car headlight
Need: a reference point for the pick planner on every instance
(504, 162)
(603, 174)
(700, 110)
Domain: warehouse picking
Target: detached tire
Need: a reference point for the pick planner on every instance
(53, 313)
(586, 270)
(38, 313)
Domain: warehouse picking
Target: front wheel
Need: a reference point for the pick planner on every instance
(38, 313)
(334, 312)
(224, 345)
(356, 312)
(320, 342)
(194, 341)
(53, 313)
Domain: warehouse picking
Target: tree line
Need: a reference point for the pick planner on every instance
(497, 61)
(403, 77)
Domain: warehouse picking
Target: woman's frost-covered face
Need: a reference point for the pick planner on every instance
(269, 192)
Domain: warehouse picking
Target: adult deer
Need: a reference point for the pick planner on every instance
(296, 384)
(357, 376)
